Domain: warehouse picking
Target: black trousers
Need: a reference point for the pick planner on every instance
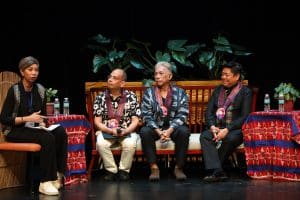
(180, 137)
(213, 157)
(53, 154)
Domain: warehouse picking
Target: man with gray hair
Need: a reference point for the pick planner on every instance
(165, 110)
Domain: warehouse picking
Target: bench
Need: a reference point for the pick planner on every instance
(198, 92)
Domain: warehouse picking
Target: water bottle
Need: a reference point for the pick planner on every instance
(267, 103)
(56, 107)
(66, 106)
(281, 102)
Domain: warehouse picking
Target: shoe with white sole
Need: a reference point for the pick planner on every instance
(59, 182)
(48, 188)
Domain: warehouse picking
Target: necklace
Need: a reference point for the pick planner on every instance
(115, 113)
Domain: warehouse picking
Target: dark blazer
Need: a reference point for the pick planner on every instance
(241, 107)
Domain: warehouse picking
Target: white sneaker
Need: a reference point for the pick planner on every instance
(48, 188)
(59, 182)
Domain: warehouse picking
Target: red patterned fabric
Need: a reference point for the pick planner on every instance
(77, 127)
(272, 145)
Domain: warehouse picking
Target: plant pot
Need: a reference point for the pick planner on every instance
(50, 109)
(288, 105)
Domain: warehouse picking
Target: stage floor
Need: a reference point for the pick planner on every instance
(238, 187)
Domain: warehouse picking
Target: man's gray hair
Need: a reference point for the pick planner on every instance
(165, 64)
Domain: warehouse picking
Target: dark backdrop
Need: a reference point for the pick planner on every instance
(56, 33)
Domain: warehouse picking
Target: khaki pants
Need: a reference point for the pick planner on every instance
(128, 146)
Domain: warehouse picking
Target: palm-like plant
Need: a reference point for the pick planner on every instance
(121, 54)
(180, 53)
(218, 53)
(133, 53)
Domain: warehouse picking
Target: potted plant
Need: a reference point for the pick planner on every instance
(50, 94)
(290, 94)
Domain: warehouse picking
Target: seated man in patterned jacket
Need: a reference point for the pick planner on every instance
(117, 113)
(165, 110)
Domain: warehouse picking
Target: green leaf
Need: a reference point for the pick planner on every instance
(173, 67)
(242, 53)
(221, 40)
(223, 48)
(202, 46)
(240, 50)
(121, 54)
(188, 64)
(179, 57)
(101, 39)
(147, 82)
(205, 57)
(176, 45)
(136, 64)
(162, 57)
(211, 64)
(190, 49)
(114, 55)
(98, 62)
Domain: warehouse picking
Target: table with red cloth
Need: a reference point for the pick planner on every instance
(272, 145)
(77, 127)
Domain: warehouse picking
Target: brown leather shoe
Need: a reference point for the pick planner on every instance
(180, 176)
(154, 176)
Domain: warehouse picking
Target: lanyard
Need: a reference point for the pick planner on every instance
(29, 101)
